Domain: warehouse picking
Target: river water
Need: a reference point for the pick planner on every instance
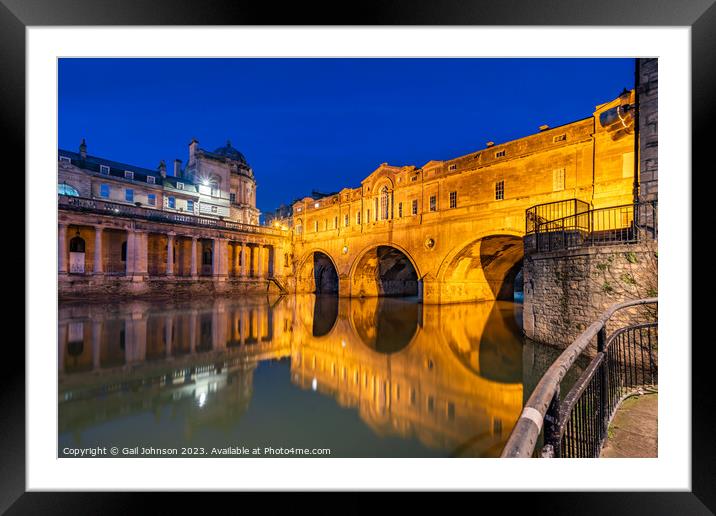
(293, 375)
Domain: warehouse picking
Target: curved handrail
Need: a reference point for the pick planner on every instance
(523, 439)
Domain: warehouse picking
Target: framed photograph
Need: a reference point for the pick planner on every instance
(388, 253)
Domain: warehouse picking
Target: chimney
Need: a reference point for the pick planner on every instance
(162, 169)
(177, 167)
(193, 147)
(83, 149)
(490, 144)
(543, 127)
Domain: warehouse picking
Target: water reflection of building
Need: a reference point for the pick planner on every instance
(433, 385)
(134, 358)
(449, 376)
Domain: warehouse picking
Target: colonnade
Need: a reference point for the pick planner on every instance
(126, 252)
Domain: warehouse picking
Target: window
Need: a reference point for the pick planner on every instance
(385, 203)
(214, 209)
(377, 213)
(129, 195)
(400, 210)
(558, 179)
(315, 226)
(180, 185)
(414, 178)
(358, 218)
(104, 190)
(206, 256)
(172, 202)
(325, 224)
(346, 220)
(433, 203)
(190, 206)
(453, 166)
(414, 207)
(152, 199)
(500, 154)
(104, 169)
(65, 159)
(500, 190)
(77, 245)
(335, 222)
(367, 216)
(128, 174)
(123, 252)
(65, 189)
(560, 138)
(453, 199)
(431, 404)
(285, 260)
(151, 180)
(232, 197)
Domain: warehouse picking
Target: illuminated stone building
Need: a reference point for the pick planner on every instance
(451, 231)
(125, 229)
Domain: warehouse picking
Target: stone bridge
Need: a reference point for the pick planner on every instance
(451, 231)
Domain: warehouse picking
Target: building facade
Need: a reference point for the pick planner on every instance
(130, 230)
(452, 230)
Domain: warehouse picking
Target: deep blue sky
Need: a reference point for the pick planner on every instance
(322, 123)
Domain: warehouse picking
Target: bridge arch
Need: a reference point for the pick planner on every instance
(384, 269)
(317, 273)
(486, 266)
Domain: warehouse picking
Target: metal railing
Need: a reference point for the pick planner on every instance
(628, 223)
(576, 426)
(543, 213)
(83, 204)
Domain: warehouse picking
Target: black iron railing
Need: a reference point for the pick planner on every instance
(576, 426)
(84, 204)
(543, 213)
(628, 223)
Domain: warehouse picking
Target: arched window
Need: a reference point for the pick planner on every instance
(384, 203)
(65, 189)
(206, 256)
(123, 256)
(299, 226)
(77, 245)
(214, 184)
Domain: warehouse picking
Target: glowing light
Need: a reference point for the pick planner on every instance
(314, 384)
(316, 205)
(343, 343)
(202, 399)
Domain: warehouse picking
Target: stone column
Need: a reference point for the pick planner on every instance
(140, 254)
(243, 259)
(98, 262)
(215, 257)
(62, 248)
(260, 261)
(170, 254)
(277, 264)
(193, 271)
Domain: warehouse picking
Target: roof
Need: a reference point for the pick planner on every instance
(227, 151)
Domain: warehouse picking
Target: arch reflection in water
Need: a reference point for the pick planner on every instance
(443, 380)
(426, 385)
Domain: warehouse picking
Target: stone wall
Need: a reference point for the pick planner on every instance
(648, 95)
(565, 291)
(79, 287)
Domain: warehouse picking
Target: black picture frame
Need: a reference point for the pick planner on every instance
(17, 15)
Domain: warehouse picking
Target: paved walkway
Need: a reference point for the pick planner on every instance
(633, 432)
